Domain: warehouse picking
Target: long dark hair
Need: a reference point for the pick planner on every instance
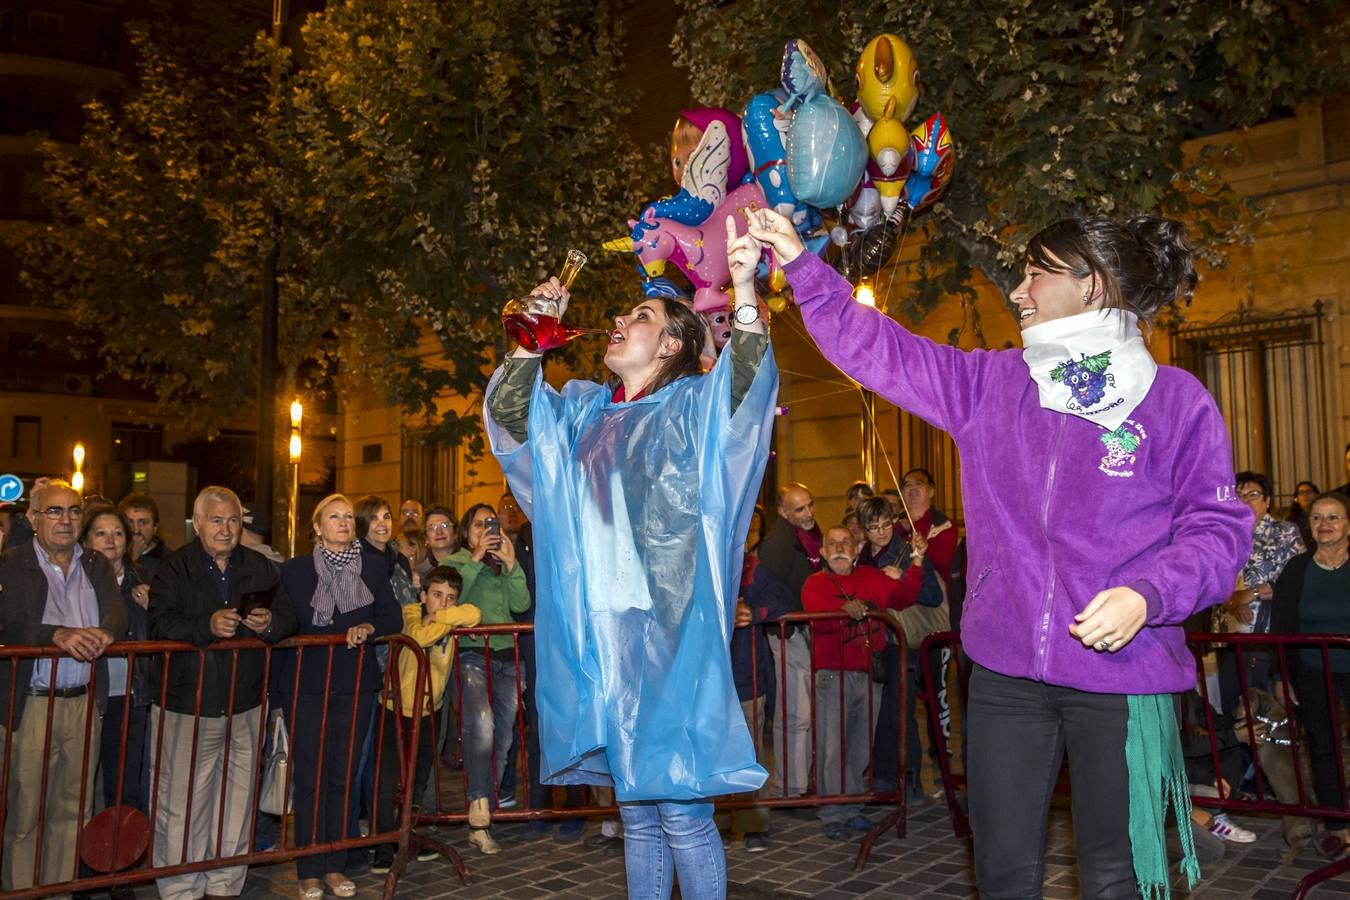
(1143, 264)
(467, 520)
(688, 326)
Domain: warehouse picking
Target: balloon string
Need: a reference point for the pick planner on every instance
(867, 410)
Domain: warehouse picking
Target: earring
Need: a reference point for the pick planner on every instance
(1087, 297)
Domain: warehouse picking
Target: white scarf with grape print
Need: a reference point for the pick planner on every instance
(1094, 365)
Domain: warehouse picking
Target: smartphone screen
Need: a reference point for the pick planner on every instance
(492, 526)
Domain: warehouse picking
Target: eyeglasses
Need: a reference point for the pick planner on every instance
(878, 527)
(57, 512)
(1251, 495)
(439, 526)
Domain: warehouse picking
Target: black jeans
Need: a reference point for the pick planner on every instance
(1315, 710)
(134, 773)
(392, 780)
(330, 777)
(1019, 732)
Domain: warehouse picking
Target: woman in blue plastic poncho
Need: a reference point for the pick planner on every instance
(640, 492)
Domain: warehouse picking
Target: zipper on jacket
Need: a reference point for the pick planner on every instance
(975, 590)
(1044, 641)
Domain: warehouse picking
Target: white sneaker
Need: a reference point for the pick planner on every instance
(1223, 827)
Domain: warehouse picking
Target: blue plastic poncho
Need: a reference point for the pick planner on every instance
(639, 512)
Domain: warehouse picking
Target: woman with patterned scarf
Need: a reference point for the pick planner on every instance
(341, 588)
(1101, 512)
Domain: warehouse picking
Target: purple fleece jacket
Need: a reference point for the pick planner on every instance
(1056, 507)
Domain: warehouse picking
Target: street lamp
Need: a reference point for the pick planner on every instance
(77, 480)
(297, 413)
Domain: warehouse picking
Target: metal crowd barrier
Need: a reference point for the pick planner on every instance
(1282, 776)
(452, 808)
(106, 838)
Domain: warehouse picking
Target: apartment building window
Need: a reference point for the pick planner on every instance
(923, 446)
(46, 23)
(427, 469)
(1267, 373)
(26, 438)
(136, 443)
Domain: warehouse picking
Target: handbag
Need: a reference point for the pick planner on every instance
(275, 791)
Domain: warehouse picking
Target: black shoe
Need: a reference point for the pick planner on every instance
(756, 843)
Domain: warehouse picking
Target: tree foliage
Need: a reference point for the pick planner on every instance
(1057, 108)
(421, 164)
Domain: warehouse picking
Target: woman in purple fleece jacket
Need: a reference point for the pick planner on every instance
(1101, 512)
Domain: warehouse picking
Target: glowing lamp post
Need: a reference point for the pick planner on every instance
(864, 295)
(77, 480)
(297, 413)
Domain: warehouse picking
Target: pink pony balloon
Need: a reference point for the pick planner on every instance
(699, 251)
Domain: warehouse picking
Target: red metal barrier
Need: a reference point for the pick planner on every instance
(1274, 768)
(140, 866)
(454, 810)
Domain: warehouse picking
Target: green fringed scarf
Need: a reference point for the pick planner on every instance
(1157, 780)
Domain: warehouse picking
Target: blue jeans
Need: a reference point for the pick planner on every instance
(489, 721)
(661, 838)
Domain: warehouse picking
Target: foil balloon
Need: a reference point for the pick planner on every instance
(765, 126)
(719, 326)
(888, 146)
(826, 152)
(698, 251)
(871, 249)
(707, 159)
(804, 75)
(934, 155)
(887, 71)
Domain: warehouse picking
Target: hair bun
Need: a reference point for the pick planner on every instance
(1174, 277)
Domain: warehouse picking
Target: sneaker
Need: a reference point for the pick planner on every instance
(756, 843)
(836, 831)
(506, 801)
(1223, 827)
(570, 831)
(384, 861)
(860, 823)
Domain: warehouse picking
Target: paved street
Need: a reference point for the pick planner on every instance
(928, 863)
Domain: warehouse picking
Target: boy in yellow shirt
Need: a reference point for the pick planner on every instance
(429, 623)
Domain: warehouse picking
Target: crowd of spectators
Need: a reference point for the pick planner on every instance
(81, 573)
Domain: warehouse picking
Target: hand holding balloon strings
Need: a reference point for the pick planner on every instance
(773, 228)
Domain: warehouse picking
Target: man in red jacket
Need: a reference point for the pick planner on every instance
(847, 701)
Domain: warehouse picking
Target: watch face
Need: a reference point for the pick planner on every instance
(747, 315)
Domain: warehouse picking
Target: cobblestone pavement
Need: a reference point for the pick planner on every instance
(801, 862)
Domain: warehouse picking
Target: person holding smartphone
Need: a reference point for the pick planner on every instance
(494, 583)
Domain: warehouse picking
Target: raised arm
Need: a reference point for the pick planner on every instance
(938, 383)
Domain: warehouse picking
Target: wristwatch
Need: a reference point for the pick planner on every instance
(747, 314)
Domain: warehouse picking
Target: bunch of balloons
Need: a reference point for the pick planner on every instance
(852, 177)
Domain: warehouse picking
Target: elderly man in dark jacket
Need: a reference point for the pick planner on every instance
(789, 554)
(53, 594)
(209, 590)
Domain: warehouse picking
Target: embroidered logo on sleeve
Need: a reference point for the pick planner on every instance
(1087, 379)
(1122, 449)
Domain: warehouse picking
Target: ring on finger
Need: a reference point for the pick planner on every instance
(1104, 644)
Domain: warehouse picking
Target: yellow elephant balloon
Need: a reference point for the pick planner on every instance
(887, 69)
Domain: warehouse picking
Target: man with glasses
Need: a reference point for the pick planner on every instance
(410, 514)
(54, 594)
